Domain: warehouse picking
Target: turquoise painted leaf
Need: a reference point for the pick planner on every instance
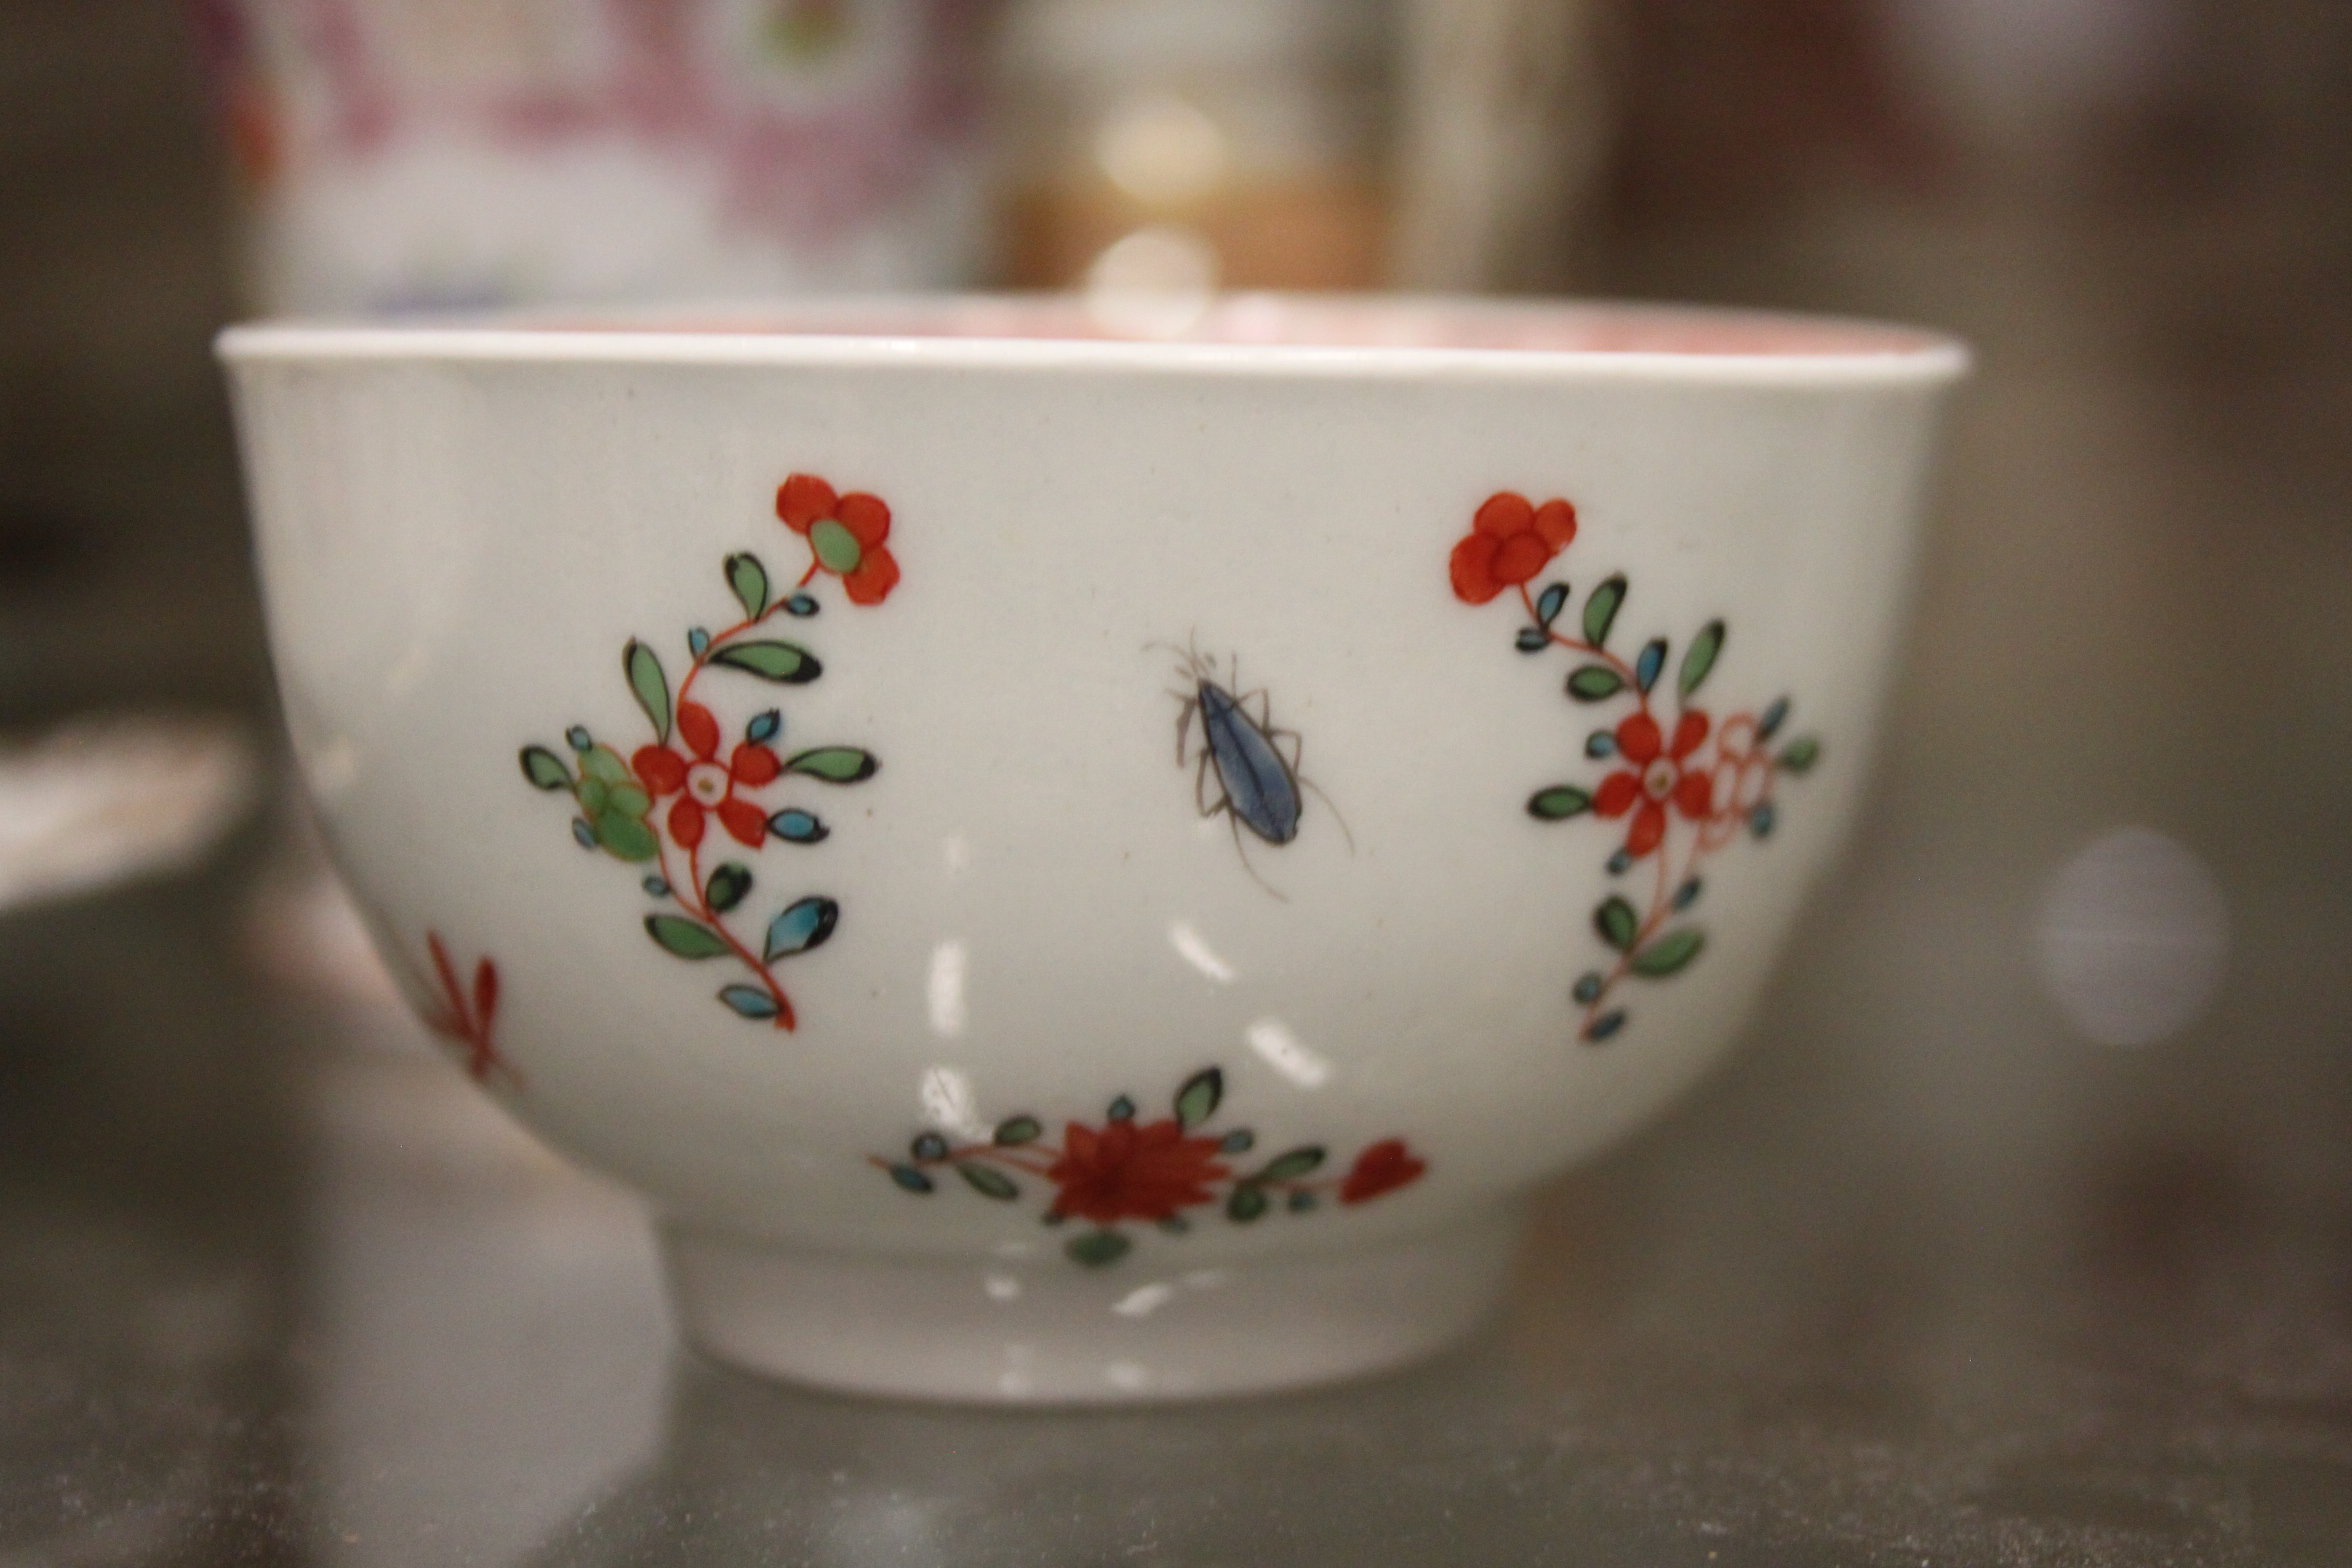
(803, 924)
(749, 1000)
(1652, 660)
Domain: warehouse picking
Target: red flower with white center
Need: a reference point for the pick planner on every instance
(1131, 1172)
(1656, 779)
(1509, 542)
(703, 785)
(845, 533)
(1381, 1168)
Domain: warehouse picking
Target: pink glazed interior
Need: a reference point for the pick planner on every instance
(1309, 323)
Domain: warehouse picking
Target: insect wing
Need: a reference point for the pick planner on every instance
(1258, 783)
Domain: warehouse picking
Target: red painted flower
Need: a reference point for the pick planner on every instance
(701, 784)
(1655, 778)
(1131, 1172)
(1509, 541)
(1384, 1167)
(845, 531)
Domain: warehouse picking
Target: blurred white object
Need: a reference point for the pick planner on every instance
(1503, 121)
(2133, 936)
(1252, 124)
(103, 801)
(404, 154)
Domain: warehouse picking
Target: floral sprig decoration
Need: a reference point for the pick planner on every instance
(690, 765)
(468, 1018)
(1686, 784)
(1149, 1172)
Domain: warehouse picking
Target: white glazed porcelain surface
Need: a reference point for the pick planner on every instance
(460, 529)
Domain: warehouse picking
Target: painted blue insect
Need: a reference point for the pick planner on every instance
(1246, 768)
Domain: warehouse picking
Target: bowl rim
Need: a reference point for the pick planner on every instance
(978, 331)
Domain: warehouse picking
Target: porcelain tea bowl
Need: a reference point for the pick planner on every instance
(1080, 870)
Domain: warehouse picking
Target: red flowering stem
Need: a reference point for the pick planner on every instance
(1705, 843)
(1624, 670)
(459, 1022)
(692, 898)
(815, 566)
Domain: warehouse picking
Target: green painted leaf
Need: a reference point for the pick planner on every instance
(606, 766)
(644, 669)
(1197, 1101)
(1616, 922)
(686, 938)
(727, 886)
(630, 800)
(1291, 1166)
(1600, 609)
(1594, 682)
(1014, 1131)
(771, 661)
(1247, 1203)
(1097, 1248)
(545, 769)
(836, 546)
(834, 764)
(626, 838)
(1552, 602)
(1558, 802)
(987, 1181)
(749, 1000)
(1700, 657)
(1669, 954)
(749, 579)
(1801, 755)
(803, 924)
(911, 1179)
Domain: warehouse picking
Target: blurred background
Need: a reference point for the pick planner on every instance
(2020, 1232)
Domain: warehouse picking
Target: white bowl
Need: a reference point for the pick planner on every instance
(1113, 881)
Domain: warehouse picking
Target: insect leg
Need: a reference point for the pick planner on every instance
(1239, 848)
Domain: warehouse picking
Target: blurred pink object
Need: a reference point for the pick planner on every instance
(406, 154)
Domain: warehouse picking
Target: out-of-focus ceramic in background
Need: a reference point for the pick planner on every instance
(404, 154)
